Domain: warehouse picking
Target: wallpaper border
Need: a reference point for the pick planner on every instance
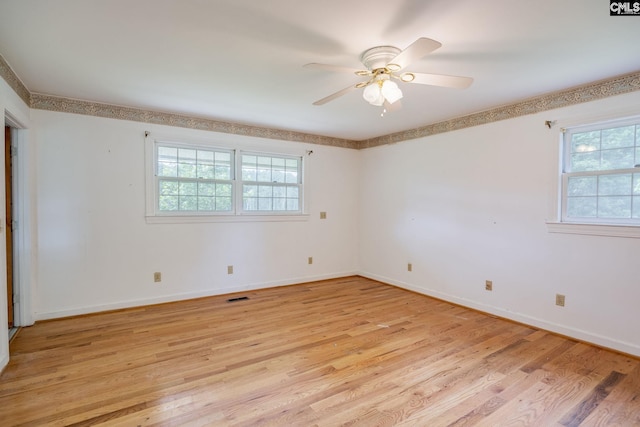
(593, 91)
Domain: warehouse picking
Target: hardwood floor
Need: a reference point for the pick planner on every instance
(348, 351)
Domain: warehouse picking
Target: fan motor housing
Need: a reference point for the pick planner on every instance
(379, 56)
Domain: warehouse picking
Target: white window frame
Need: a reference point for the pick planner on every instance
(560, 222)
(237, 214)
(157, 179)
(241, 183)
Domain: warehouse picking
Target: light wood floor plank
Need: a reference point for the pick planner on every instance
(348, 351)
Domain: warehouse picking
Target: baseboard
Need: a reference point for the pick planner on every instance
(4, 361)
(578, 334)
(77, 311)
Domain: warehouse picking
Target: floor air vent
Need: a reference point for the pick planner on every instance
(237, 299)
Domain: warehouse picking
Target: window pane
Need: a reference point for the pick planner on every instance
(206, 189)
(618, 137)
(582, 186)
(188, 203)
(292, 192)
(636, 184)
(250, 191)
(206, 203)
(588, 161)
(611, 185)
(582, 207)
(205, 157)
(223, 158)
(277, 175)
(223, 190)
(205, 171)
(585, 141)
(167, 169)
(188, 189)
(264, 162)
(264, 175)
(292, 205)
(168, 154)
(291, 178)
(168, 203)
(187, 170)
(621, 158)
(223, 203)
(223, 172)
(249, 174)
(250, 204)
(265, 191)
(265, 205)
(168, 188)
(279, 204)
(187, 155)
(614, 207)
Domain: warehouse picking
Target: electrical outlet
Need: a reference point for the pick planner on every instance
(409, 267)
(310, 260)
(323, 215)
(230, 269)
(488, 285)
(560, 300)
(157, 276)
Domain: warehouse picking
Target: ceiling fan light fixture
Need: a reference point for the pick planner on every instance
(391, 91)
(373, 94)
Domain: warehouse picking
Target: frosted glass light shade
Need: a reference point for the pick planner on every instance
(391, 91)
(373, 95)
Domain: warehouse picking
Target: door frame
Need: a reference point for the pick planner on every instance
(8, 224)
(24, 239)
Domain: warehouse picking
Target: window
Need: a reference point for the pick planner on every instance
(194, 180)
(270, 183)
(203, 181)
(601, 173)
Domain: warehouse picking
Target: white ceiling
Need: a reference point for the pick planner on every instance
(242, 61)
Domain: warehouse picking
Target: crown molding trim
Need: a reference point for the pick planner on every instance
(66, 105)
(590, 92)
(14, 81)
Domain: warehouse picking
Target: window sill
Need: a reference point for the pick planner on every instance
(195, 219)
(609, 230)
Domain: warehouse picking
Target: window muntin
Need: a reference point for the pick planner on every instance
(601, 174)
(194, 180)
(271, 183)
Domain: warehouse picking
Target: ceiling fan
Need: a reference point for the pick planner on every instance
(385, 64)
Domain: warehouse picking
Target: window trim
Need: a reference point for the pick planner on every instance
(557, 222)
(154, 216)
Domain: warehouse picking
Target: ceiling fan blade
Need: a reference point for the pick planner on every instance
(442, 80)
(415, 51)
(334, 68)
(333, 96)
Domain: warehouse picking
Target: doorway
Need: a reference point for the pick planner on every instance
(8, 175)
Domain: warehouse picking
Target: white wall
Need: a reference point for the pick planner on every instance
(97, 252)
(10, 105)
(468, 206)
